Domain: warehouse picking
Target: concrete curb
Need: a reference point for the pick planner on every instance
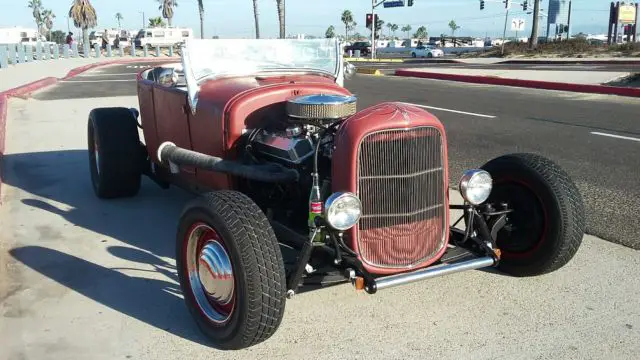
(79, 70)
(25, 91)
(547, 85)
(568, 62)
(369, 71)
(405, 61)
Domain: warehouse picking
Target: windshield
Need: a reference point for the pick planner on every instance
(211, 58)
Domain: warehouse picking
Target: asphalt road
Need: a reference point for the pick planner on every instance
(596, 138)
(83, 278)
(388, 67)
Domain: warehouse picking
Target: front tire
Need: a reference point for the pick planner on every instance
(546, 228)
(115, 153)
(231, 269)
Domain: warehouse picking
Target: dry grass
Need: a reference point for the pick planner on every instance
(572, 48)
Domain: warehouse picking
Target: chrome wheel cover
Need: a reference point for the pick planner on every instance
(210, 273)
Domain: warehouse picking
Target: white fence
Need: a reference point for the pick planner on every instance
(15, 54)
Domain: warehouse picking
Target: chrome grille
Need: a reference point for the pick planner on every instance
(402, 188)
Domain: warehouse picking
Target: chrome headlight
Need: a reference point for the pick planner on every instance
(342, 210)
(475, 186)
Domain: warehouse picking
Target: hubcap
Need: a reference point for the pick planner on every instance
(214, 271)
(210, 273)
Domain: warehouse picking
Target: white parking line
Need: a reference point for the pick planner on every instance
(615, 136)
(453, 111)
(107, 74)
(95, 81)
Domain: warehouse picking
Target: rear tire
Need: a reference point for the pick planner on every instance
(115, 153)
(413, 55)
(547, 226)
(256, 267)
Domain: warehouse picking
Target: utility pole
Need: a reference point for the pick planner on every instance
(507, 4)
(569, 22)
(68, 26)
(373, 29)
(144, 21)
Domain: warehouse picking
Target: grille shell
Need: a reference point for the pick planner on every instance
(401, 181)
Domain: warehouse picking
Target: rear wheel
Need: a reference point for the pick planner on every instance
(413, 55)
(430, 55)
(546, 228)
(230, 269)
(115, 152)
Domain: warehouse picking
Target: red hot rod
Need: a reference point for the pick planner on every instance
(297, 188)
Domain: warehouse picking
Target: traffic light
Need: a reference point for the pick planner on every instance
(525, 5)
(410, 3)
(481, 4)
(369, 20)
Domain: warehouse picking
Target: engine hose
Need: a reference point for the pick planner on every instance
(272, 173)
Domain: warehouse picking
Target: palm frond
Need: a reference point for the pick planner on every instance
(83, 14)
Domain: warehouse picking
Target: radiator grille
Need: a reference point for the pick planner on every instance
(402, 188)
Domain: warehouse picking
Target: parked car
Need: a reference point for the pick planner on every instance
(296, 188)
(427, 52)
(363, 46)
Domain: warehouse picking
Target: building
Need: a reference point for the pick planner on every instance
(558, 16)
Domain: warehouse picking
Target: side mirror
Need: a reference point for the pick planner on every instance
(168, 78)
(349, 70)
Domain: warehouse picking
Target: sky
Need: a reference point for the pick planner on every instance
(234, 18)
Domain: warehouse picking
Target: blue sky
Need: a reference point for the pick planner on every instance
(234, 18)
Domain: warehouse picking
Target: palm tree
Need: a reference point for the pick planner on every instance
(347, 20)
(201, 10)
(36, 6)
(533, 40)
(407, 29)
(119, 17)
(394, 28)
(280, 4)
(256, 18)
(47, 21)
(453, 26)
(156, 22)
(389, 25)
(167, 9)
(84, 17)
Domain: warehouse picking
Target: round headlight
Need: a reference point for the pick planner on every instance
(342, 210)
(475, 186)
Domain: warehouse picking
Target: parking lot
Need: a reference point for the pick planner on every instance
(88, 278)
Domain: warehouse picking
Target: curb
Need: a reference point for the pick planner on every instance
(536, 84)
(566, 62)
(25, 91)
(79, 70)
(369, 71)
(406, 61)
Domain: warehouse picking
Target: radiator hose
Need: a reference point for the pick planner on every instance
(273, 173)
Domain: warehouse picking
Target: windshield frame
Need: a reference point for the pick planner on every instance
(194, 81)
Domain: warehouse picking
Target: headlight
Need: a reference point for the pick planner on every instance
(475, 186)
(342, 210)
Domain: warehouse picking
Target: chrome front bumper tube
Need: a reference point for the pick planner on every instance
(430, 272)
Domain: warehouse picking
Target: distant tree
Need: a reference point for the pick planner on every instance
(119, 18)
(167, 7)
(280, 5)
(421, 33)
(84, 17)
(57, 36)
(331, 32)
(347, 20)
(389, 26)
(357, 36)
(453, 26)
(394, 28)
(379, 25)
(201, 12)
(47, 21)
(256, 18)
(36, 7)
(156, 22)
(407, 29)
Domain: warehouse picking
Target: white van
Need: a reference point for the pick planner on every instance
(20, 35)
(162, 36)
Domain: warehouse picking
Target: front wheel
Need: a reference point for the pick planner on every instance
(547, 224)
(230, 269)
(413, 55)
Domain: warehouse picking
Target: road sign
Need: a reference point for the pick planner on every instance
(517, 24)
(627, 14)
(396, 3)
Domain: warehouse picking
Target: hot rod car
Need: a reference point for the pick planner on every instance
(297, 188)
